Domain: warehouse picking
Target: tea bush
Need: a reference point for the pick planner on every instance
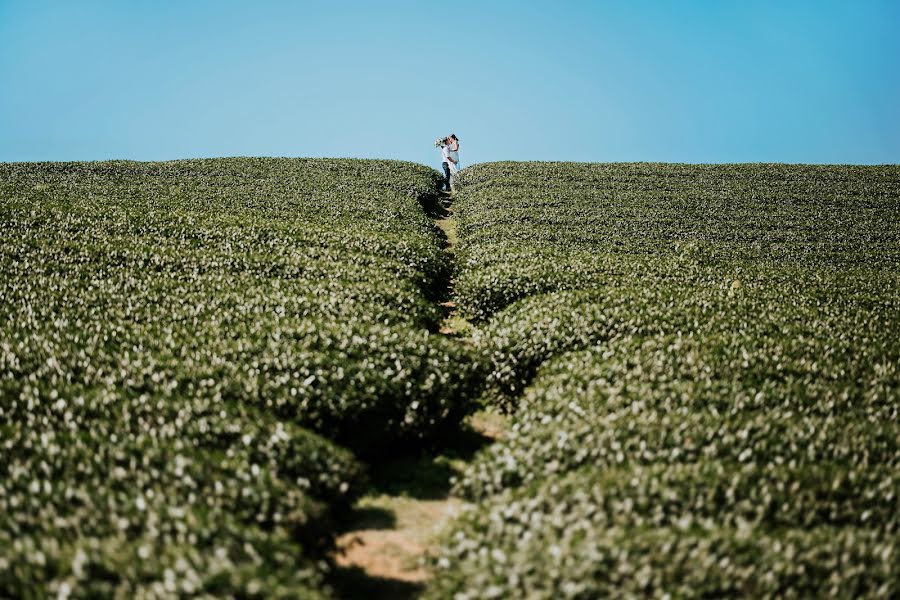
(538, 552)
(528, 228)
(701, 366)
(187, 348)
(678, 399)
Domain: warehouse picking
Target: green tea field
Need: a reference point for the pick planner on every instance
(680, 380)
(702, 366)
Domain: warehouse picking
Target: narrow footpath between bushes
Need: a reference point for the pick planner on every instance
(381, 553)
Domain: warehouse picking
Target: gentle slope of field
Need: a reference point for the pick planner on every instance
(701, 363)
(257, 377)
(198, 359)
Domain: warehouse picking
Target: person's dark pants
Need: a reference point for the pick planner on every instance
(446, 175)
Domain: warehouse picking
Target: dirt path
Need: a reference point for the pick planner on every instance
(382, 553)
(391, 548)
(383, 556)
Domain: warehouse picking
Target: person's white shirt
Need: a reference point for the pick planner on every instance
(454, 154)
(445, 155)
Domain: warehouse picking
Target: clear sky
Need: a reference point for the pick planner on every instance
(780, 81)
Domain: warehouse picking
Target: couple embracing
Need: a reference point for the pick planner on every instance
(450, 157)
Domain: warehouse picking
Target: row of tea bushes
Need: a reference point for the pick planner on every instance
(580, 555)
(192, 353)
(106, 493)
(645, 450)
(527, 228)
(673, 399)
(826, 324)
(702, 369)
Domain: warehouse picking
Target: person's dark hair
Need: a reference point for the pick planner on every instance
(453, 136)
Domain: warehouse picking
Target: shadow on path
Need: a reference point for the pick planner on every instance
(381, 552)
(354, 582)
(428, 476)
(434, 205)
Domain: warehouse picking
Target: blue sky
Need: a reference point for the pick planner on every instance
(812, 82)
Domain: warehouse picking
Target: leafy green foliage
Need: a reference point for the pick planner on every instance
(528, 228)
(701, 365)
(677, 399)
(544, 550)
(185, 347)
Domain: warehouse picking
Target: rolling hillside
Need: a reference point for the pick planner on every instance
(205, 363)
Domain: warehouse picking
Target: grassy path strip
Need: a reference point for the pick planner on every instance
(382, 552)
(453, 324)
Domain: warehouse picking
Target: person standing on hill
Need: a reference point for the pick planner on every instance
(453, 144)
(444, 145)
(449, 160)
